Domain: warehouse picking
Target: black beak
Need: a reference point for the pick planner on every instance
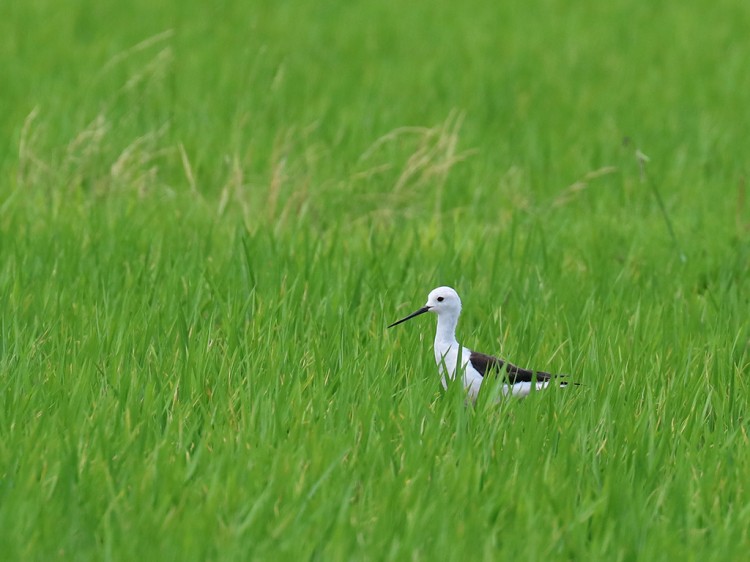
(412, 315)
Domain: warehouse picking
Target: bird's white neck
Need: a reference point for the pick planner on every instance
(446, 330)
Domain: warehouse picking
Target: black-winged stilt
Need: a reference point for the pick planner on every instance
(445, 302)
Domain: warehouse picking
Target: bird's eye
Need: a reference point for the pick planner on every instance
(440, 299)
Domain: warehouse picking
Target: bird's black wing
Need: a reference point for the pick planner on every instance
(487, 364)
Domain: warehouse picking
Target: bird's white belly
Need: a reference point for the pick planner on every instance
(521, 389)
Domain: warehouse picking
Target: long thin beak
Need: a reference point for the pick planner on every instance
(412, 315)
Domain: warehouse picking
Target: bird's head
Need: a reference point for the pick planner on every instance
(442, 300)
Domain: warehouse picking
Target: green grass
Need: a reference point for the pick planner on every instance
(209, 212)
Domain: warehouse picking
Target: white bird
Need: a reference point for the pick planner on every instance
(445, 302)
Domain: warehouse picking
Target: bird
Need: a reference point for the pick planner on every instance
(476, 367)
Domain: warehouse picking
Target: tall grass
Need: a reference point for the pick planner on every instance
(210, 212)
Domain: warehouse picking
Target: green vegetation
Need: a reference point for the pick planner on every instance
(209, 212)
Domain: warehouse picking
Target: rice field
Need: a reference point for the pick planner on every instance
(209, 213)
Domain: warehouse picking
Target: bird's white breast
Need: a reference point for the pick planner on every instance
(447, 356)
